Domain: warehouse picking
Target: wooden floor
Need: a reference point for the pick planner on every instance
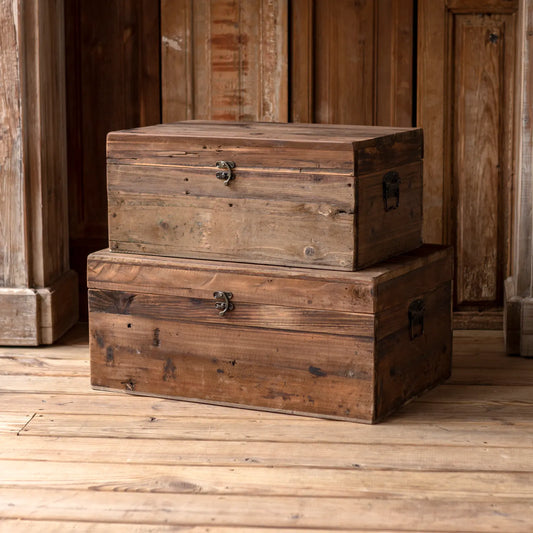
(73, 459)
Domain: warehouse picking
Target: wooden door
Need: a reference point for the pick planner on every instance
(466, 55)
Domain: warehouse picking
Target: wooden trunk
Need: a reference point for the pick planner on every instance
(347, 345)
(321, 196)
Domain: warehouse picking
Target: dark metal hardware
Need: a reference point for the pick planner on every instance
(391, 190)
(416, 318)
(225, 305)
(226, 173)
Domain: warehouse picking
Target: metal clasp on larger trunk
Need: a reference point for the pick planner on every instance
(416, 318)
(226, 173)
(225, 305)
(391, 190)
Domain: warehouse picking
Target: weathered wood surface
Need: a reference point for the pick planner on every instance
(14, 268)
(312, 357)
(112, 81)
(352, 62)
(317, 201)
(466, 90)
(518, 288)
(90, 460)
(34, 262)
(224, 60)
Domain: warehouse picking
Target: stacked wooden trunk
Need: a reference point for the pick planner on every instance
(273, 266)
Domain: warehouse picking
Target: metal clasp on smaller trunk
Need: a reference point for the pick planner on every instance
(416, 318)
(225, 305)
(226, 173)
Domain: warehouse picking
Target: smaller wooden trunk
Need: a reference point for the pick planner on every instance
(306, 195)
(352, 346)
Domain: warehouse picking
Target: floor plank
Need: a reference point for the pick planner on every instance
(460, 458)
(269, 511)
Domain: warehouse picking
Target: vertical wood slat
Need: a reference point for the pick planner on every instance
(343, 75)
(225, 60)
(431, 115)
(37, 290)
(465, 105)
(45, 139)
(478, 164)
(14, 271)
(518, 311)
(113, 82)
(352, 62)
(394, 63)
(301, 61)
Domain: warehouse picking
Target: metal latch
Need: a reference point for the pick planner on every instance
(225, 305)
(416, 318)
(226, 173)
(391, 190)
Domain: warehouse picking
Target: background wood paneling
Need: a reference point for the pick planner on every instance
(480, 169)
(224, 60)
(466, 57)
(447, 65)
(352, 62)
(113, 82)
(14, 270)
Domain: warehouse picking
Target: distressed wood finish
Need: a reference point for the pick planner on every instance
(310, 341)
(466, 89)
(352, 62)
(112, 81)
(518, 312)
(36, 286)
(302, 195)
(224, 60)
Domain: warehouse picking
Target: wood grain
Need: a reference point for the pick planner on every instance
(479, 98)
(225, 60)
(14, 269)
(90, 461)
(169, 182)
(273, 357)
(112, 81)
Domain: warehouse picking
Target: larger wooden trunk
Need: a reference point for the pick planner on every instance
(321, 196)
(349, 345)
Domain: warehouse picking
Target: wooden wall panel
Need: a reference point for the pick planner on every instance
(478, 160)
(352, 62)
(14, 261)
(113, 82)
(224, 59)
(466, 58)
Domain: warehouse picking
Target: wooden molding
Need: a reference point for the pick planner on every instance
(518, 312)
(38, 294)
(38, 316)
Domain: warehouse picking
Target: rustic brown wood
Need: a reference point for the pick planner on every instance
(481, 137)
(14, 250)
(351, 62)
(466, 64)
(394, 42)
(225, 60)
(466, 445)
(317, 201)
(301, 61)
(34, 275)
(518, 288)
(112, 82)
(156, 341)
